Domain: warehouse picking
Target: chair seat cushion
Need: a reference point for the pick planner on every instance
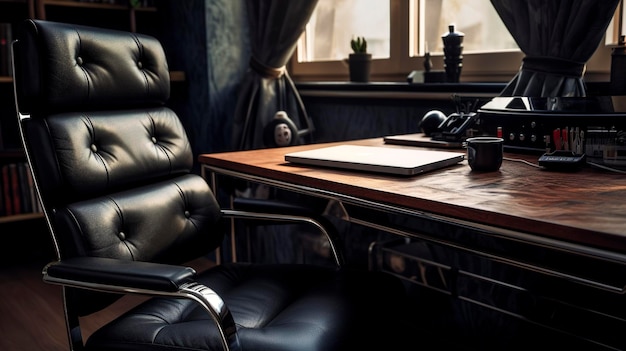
(274, 306)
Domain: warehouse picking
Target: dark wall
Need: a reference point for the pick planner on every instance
(208, 40)
(338, 119)
(356, 111)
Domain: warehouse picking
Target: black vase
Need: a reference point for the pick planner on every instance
(452, 54)
(360, 65)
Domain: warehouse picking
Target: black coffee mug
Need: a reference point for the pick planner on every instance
(484, 154)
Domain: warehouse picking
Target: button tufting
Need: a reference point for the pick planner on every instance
(187, 214)
(94, 148)
(122, 236)
(139, 64)
(79, 61)
(154, 141)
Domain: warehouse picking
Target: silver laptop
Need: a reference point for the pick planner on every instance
(401, 161)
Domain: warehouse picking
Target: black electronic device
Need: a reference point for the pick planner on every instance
(562, 161)
(539, 125)
(455, 127)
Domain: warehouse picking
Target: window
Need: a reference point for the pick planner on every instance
(399, 32)
(477, 19)
(335, 22)
(616, 27)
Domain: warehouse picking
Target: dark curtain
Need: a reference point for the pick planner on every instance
(275, 26)
(274, 29)
(558, 37)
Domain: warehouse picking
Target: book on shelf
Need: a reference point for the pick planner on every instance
(6, 35)
(26, 205)
(16, 195)
(2, 208)
(18, 191)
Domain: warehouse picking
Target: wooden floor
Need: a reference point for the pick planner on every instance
(31, 311)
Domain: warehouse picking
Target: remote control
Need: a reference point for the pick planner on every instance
(562, 161)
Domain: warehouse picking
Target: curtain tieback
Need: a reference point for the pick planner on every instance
(553, 66)
(266, 71)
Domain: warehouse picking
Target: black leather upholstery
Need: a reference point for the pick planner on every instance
(112, 165)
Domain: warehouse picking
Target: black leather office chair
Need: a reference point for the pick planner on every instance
(112, 168)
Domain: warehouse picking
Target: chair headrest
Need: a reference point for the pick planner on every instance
(67, 67)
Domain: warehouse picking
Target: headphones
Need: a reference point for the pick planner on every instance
(281, 131)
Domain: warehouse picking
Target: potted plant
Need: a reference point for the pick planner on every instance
(359, 61)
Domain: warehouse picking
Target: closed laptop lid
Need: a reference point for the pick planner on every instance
(390, 160)
(419, 139)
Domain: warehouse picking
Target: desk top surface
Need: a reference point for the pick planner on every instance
(586, 207)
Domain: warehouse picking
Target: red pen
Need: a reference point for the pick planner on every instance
(556, 136)
(565, 139)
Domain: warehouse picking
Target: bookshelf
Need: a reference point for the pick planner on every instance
(18, 199)
(20, 217)
(114, 13)
(12, 160)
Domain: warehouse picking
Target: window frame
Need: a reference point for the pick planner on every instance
(477, 67)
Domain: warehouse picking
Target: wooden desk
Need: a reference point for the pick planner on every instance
(586, 207)
(555, 239)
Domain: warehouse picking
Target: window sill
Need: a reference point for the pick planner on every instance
(397, 90)
(401, 90)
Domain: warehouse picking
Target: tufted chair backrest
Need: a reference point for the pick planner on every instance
(111, 162)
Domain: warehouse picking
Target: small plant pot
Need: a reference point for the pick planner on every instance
(360, 65)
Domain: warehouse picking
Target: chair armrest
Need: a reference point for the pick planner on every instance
(259, 210)
(153, 279)
(122, 273)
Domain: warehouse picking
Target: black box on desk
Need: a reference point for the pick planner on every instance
(527, 124)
